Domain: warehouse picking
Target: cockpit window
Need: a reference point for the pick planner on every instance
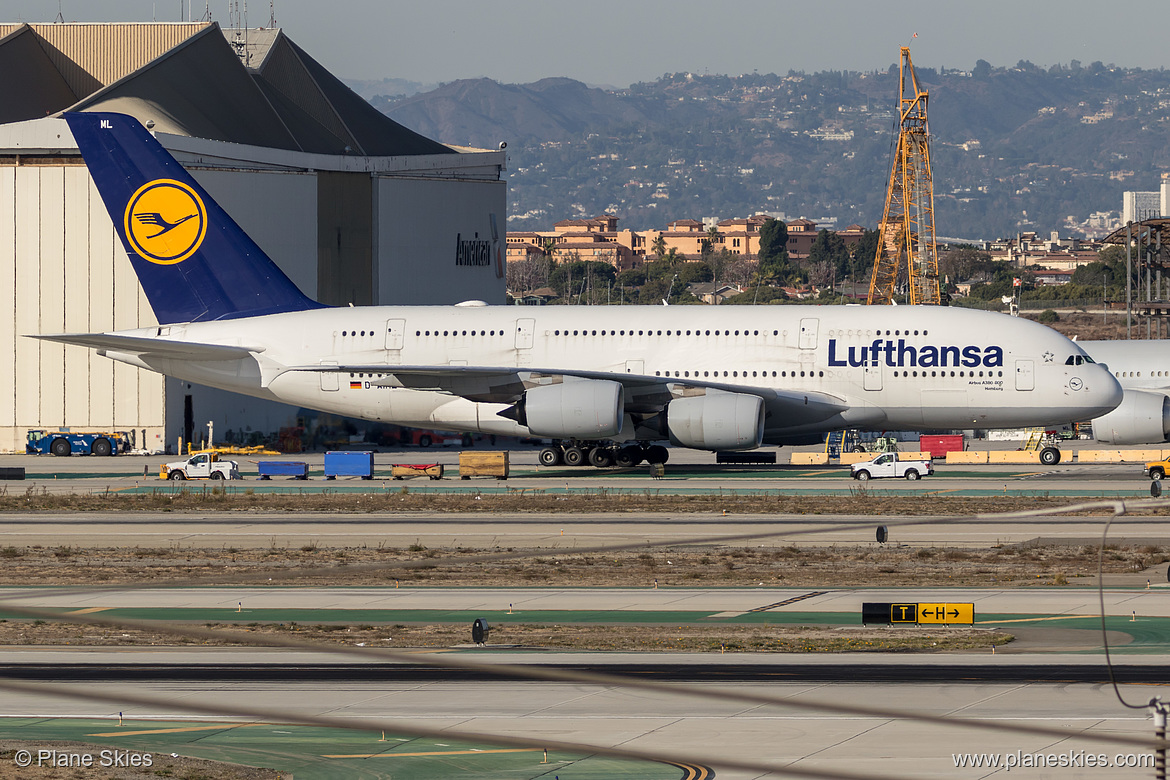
(1077, 360)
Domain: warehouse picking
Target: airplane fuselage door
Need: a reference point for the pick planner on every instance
(395, 331)
(635, 366)
(524, 329)
(1025, 375)
(330, 380)
(873, 376)
(809, 326)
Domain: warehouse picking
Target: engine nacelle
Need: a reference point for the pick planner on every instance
(716, 421)
(576, 409)
(1143, 417)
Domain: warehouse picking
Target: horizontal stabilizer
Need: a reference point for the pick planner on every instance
(159, 347)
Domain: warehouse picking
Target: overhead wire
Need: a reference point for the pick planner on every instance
(546, 674)
(412, 728)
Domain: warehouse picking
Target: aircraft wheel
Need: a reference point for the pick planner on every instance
(176, 476)
(1050, 456)
(574, 456)
(628, 456)
(657, 454)
(550, 456)
(600, 457)
(61, 448)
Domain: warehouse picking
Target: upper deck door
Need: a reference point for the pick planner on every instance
(395, 330)
(524, 330)
(809, 326)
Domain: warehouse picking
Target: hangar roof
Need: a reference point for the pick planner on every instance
(251, 86)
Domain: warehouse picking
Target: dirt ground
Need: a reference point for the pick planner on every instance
(864, 500)
(1090, 327)
(812, 566)
(627, 637)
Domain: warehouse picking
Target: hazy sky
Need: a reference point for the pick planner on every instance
(618, 42)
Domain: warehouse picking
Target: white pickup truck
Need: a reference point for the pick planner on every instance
(890, 465)
(205, 465)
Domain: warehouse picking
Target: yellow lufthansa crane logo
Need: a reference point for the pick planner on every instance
(166, 221)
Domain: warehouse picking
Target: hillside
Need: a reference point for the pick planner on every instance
(1015, 148)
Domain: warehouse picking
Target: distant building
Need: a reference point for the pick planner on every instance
(599, 239)
(1136, 206)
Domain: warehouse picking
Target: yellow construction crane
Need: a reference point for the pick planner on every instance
(907, 238)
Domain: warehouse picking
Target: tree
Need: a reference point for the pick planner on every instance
(718, 263)
(964, 263)
(862, 255)
(829, 249)
(773, 249)
(659, 246)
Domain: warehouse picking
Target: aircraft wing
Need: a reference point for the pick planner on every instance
(506, 384)
(152, 347)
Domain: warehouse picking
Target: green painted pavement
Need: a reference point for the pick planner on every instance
(1149, 634)
(311, 753)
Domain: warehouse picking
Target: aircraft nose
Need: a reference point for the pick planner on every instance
(1105, 393)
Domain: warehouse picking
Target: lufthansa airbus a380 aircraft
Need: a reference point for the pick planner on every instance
(608, 383)
(1142, 367)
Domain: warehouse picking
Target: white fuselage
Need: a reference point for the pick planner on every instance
(893, 367)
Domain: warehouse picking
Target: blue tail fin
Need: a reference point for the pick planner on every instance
(193, 260)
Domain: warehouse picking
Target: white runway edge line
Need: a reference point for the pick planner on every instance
(1069, 759)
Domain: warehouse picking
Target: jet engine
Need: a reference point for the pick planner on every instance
(577, 409)
(1143, 417)
(716, 421)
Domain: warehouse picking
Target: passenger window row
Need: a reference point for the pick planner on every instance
(457, 333)
(659, 333)
(944, 373)
(737, 374)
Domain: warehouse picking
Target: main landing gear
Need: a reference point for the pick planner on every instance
(601, 455)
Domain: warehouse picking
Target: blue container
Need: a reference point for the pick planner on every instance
(283, 468)
(349, 464)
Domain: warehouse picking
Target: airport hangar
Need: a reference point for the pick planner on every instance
(354, 207)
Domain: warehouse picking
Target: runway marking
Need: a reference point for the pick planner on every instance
(786, 602)
(88, 610)
(220, 727)
(433, 753)
(1036, 620)
(693, 771)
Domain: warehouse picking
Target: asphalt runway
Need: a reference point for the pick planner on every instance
(692, 727)
(688, 472)
(568, 531)
(1051, 603)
